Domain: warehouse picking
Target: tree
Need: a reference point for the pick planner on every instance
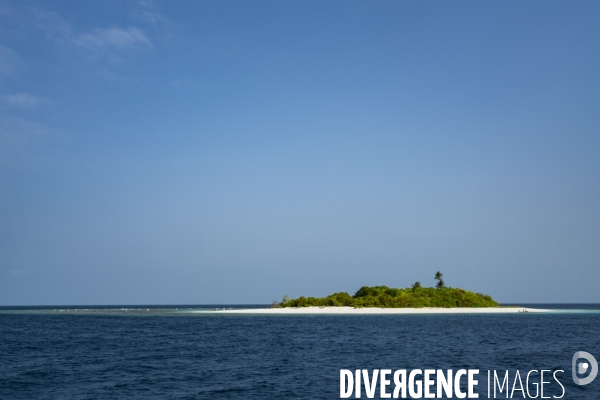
(440, 281)
(416, 285)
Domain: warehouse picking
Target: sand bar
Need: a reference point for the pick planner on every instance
(375, 310)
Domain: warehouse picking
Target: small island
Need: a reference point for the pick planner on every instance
(385, 300)
(416, 296)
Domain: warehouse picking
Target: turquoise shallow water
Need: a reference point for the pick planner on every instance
(144, 352)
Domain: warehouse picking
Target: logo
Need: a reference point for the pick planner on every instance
(582, 368)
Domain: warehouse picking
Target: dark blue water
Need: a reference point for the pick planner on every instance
(171, 354)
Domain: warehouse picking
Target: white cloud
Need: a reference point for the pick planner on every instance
(52, 24)
(22, 100)
(17, 132)
(20, 138)
(148, 13)
(113, 38)
(9, 62)
(16, 272)
(153, 16)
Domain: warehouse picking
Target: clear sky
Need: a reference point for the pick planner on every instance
(196, 152)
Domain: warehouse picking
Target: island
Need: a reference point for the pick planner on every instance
(386, 300)
(386, 297)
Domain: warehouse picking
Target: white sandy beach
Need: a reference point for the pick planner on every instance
(374, 310)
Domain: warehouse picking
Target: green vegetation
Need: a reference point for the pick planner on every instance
(386, 297)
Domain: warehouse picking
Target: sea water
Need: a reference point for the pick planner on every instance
(142, 352)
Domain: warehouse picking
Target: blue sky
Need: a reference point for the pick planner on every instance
(233, 152)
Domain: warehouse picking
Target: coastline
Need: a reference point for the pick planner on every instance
(376, 310)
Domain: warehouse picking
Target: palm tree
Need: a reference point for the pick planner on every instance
(416, 285)
(440, 283)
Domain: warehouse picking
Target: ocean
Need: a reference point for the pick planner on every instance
(154, 352)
